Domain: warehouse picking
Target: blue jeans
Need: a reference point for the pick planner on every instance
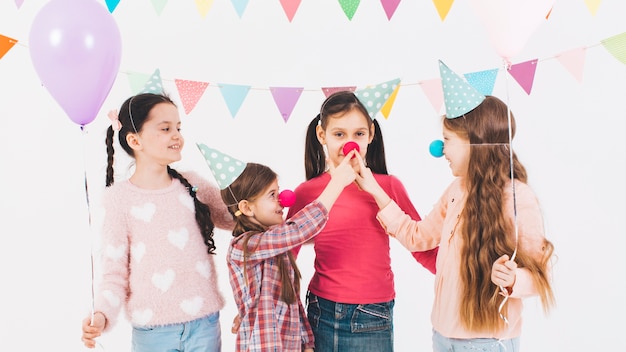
(200, 335)
(445, 344)
(341, 327)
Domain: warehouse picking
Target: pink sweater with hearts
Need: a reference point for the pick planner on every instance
(154, 261)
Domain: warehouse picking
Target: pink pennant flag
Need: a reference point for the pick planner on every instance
(286, 99)
(390, 7)
(524, 74)
(574, 61)
(330, 90)
(19, 3)
(434, 92)
(190, 92)
(290, 7)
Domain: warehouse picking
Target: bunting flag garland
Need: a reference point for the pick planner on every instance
(524, 74)
(19, 3)
(616, 45)
(390, 7)
(112, 4)
(574, 61)
(190, 92)
(137, 81)
(433, 90)
(593, 6)
(158, 6)
(443, 7)
(330, 90)
(240, 6)
(286, 99)
(349, 7)
(386, 109)
(203, 7)
(154, 83)
(6, 44)
(290, 7)
(375, 97)
(483, 81)
(234, 95)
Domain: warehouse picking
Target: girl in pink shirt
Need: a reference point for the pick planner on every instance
(157, 238)
(492, 248)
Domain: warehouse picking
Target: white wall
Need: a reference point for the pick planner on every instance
(569, 138)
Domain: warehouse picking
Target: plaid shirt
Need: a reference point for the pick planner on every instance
(267, 323)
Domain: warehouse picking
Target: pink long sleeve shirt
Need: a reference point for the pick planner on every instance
(154, 260)
(441, 227)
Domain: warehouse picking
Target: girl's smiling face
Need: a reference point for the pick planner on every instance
(456, 149)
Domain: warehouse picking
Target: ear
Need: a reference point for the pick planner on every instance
(245, 208)
(321, 135)
(133, 141)
(372, 132)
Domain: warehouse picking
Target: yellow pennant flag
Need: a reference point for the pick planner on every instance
(6, 44)
(386, 109)
(593, 6)
(204, 6)
(443, 7)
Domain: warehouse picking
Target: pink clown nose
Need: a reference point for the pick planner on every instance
(286, 198)
(347, 148)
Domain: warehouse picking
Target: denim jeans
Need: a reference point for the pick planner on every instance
(200, 335)
(445, 344)
(341, 327)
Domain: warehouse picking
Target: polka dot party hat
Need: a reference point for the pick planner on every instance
(459, 96)
(154, 84)
(224, 167)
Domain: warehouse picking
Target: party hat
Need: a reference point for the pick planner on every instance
(224, 167)
(459, 96)
(154, 83)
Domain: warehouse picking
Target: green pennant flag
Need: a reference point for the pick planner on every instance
(616, 45)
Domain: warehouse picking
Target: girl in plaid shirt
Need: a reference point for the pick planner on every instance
(262, 270)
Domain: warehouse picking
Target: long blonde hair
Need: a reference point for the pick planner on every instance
(485, 227)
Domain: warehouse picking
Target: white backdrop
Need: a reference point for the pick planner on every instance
(570, 138)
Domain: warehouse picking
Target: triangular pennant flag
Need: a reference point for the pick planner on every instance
(19, 3)
(386, 109)
(524, 74)
(154, 84)
(330, 90)
(224, 167)
(459, 96)
(240, 6)
(137, 81)
(374, 97)
(159, 5)
(190, 92)
(616, 45)
(234, 96)
(112, 4)
(286, 99)
(203, 7)
(390, 7)
(349, 7)
(593, 6)
(434, 92)
(290, 7)
(6, 44)
(574, 61)
(483, 81)
(443, 7)
(549, 13)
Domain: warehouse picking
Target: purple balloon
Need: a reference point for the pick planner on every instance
(75, 46)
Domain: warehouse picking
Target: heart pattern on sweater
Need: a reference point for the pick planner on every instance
(178, 238)
(144, 212)
(142, 317)
(115, 253)
(111, 298)
(137, 251)
(163, 281)
(203, 267)
(186, 200)
(192, 306)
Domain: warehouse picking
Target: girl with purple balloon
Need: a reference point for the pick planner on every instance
(157, 238)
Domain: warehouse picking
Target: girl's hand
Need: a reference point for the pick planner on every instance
(236, 322)
(343, 174)
(91, 331)
(503, 272)
(366, 181)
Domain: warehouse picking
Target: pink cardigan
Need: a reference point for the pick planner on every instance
(440, 228)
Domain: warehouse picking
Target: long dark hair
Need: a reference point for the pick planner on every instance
(252, 182)
(132, 116)
(335, 106)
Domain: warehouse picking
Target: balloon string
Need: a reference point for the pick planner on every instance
(93, 304)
